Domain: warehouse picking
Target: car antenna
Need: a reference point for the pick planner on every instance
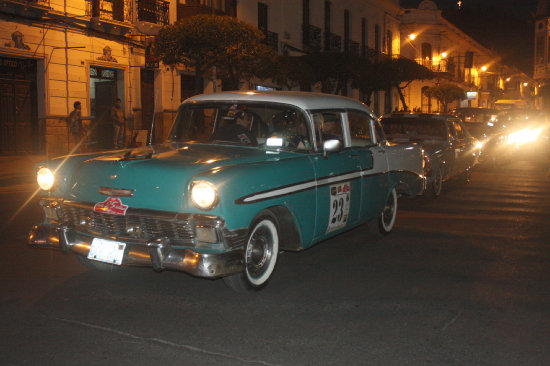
(153, 121)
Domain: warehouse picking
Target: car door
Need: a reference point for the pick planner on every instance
(338, 175)
(372, 158)
(460, 147)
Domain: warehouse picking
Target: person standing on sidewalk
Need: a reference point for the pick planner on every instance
(117, 115)
(75, 124)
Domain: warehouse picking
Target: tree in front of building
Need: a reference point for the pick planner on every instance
(202, 42)
(445, 94)
(386, 74)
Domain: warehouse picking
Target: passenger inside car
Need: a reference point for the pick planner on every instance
(233, 127)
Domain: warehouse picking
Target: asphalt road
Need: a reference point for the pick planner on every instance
(462, 280)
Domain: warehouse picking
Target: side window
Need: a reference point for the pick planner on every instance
(329, 125)
(451, 128)
(359, 127)
(379, 132)
(459, 130)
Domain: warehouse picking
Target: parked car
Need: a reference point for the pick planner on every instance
(450, 150)
(242, 176)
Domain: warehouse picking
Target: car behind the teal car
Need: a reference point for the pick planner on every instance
(242, 176)
(449, 149)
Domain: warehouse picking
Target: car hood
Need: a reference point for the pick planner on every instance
(156, 177)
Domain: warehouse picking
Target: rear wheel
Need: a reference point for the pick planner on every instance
(385, 222)
(465, 176)
(260, 256)
(434, 190)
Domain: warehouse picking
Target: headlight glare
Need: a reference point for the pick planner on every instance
(524, 136)
(45, 178)
(203, 195)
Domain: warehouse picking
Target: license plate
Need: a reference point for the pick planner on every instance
(109, 251)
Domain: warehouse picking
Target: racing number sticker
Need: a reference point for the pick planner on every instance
(339, 206)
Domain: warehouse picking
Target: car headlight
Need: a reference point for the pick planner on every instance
(45, 178)
(524, 136)
(203, 195)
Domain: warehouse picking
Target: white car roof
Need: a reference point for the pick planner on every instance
(304, 100)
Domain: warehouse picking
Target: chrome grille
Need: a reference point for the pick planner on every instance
(127, 226)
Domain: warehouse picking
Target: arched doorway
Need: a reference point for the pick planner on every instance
(426, 101)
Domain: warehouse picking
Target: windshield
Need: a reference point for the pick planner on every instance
(410, 129)
(264, 125)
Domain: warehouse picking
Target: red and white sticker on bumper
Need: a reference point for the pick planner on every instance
(112, 205)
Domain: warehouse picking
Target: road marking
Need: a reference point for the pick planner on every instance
(449, 323)
(164, 342)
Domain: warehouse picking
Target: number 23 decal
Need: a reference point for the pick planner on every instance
(339, 206)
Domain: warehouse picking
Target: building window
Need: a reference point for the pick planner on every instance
(389, 43)
(377, 38)
(305, 12)
(262, 16)
(426, 52)
(346, 30)
(231, 8)
(364, 36)
(328, 15)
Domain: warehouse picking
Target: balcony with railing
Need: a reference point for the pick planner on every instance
(35, 9)
(312, 38)
(153, 11)
(374, 54)
(271, 39)
(352, 47)
(189, 10)
(333, 42)
(434, 65)
(110, 16)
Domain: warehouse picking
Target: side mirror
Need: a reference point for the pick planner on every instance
(331, 146)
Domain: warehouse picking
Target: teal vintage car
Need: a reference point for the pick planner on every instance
(242, 176)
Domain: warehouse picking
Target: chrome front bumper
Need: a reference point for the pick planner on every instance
(159, 253)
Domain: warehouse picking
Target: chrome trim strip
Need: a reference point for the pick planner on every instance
(116, 192)
(304, 186)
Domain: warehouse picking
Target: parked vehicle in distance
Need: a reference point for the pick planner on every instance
(242, 176)
(484, 125)
(449, 149)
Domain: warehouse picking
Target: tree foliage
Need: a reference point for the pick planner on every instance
(390, 73)
(201, 42)
(445, 94)
(334, 70)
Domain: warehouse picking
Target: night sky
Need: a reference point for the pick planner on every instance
(521, 8)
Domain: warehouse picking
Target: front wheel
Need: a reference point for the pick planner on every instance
(260, 256)
(384, 223)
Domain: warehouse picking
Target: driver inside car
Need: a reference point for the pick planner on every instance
(234, 127)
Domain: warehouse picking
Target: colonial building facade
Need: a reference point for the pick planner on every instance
(55, 52)
(456, 58)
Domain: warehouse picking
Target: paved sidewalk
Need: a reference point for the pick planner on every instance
(18, 169)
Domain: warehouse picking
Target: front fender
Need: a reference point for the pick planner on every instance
(246, 189)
